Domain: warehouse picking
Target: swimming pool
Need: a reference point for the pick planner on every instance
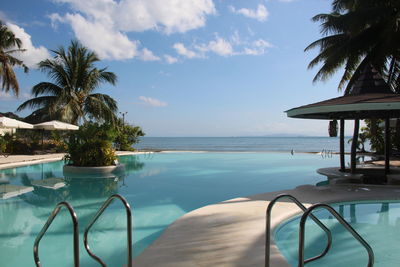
(377, 223)
(160, 187)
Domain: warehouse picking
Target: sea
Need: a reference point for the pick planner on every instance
(243, 144)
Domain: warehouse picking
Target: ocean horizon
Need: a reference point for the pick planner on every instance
(244, 144)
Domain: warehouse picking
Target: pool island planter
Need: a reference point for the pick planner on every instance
(71, 171)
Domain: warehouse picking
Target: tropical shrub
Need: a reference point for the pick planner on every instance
(3, 144)
(11, 145)
(127, 136)
(91, 146)
(58, 140)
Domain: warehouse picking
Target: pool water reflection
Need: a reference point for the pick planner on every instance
(377, 223)
(159, 187)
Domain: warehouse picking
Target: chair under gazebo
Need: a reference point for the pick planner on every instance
(369, 98)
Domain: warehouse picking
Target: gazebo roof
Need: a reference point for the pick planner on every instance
(369, 97)
(370, 82)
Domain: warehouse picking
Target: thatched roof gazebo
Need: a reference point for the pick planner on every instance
(369, 98)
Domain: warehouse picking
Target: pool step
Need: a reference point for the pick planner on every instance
(307, 212)
(74, 218)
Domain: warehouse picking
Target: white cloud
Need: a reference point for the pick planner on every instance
(257, 47)
(168, 16)
(220, 47)
(55, 18)
(260, 14)
(224, 47)
(183, 51)
(152, 102)
(102, 38)
(102, 25)
(147, 55)
(262, 43)
(140, 15)
(235, 38)
(170, 59)
(33, 55)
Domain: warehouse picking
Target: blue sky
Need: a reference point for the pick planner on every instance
(186, 67)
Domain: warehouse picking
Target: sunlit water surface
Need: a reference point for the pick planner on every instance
(159, 187)
(377, 223)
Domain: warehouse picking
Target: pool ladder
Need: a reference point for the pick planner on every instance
(74, 218)
(307, 212)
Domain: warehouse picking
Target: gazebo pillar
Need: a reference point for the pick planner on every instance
(387, 145)
(342, 163)
(354, 146)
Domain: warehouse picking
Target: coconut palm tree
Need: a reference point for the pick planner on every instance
(9, 45)
(357, 33)
(70, 96)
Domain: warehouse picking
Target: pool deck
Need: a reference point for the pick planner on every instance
(24, 160)
(232, 233)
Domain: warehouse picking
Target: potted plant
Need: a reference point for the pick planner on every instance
(90, 152)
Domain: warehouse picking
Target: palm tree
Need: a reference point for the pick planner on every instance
(9, 45)
(357, 33)
(70, 96)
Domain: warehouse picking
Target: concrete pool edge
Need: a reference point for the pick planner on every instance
(232, 233)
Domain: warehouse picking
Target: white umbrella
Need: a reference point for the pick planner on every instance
(6, 122)
(56, 125)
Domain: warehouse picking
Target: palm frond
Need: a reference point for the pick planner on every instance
(38, 102)
(74, 77)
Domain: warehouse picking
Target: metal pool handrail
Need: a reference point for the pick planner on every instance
(128, 226)
(47, 225)
(304, 209)
(342, 221)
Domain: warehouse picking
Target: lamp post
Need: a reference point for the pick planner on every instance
(123, 117)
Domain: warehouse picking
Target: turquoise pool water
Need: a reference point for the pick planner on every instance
(377, 223)
(159, 187)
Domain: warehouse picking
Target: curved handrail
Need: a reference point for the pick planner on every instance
(342, 221)
(304, 209)
(128, 226)
(47, 225)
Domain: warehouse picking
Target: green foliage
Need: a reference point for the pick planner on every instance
(70, 96)
(362, 138)
(3, 144)
(375, 135)
(10, 45)
(58, 141)
(91, 146)
(357, 33)
(127, 136)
